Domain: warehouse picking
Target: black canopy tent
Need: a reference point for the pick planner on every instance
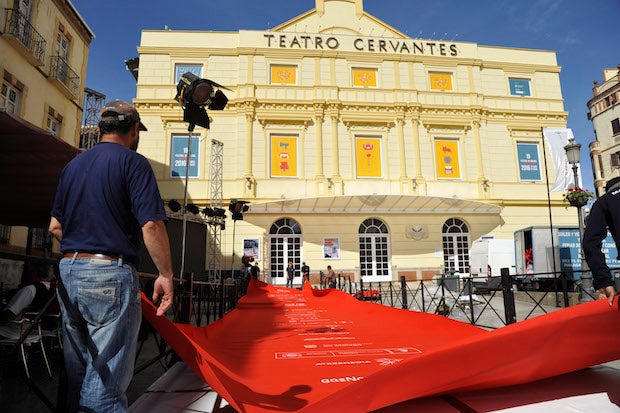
(31, 160)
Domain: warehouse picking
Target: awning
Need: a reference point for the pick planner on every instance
(383, 204)
(32, 159)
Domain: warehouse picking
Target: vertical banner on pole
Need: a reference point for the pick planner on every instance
(557, 139)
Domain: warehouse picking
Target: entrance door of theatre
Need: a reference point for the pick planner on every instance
(284, 249)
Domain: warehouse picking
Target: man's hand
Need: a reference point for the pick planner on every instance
(607, 293)
(163, 289)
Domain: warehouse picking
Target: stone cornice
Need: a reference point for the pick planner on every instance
(305, 111)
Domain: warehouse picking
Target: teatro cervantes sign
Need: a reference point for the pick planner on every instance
(360, 44)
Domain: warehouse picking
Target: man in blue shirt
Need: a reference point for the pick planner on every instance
(107, 197)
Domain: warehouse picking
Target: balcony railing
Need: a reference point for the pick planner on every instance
(60, 70)
(18, 26)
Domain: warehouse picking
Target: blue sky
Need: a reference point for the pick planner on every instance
(583, 33)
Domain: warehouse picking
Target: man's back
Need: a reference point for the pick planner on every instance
(103, 188)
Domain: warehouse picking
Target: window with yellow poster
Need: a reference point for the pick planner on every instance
(440, 81)
(284, 74)
(364, 77)
(447, 159)
(368, 157)
(283, 156)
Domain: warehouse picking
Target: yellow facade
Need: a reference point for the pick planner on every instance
(387, 141)
(44, 47)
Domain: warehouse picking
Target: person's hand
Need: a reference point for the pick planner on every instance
(164, 290)
(607, 293)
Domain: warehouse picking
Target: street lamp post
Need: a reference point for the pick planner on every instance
(573, 155)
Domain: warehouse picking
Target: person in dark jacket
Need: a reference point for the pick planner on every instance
(605, 213)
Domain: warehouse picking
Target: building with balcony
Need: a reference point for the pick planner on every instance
(44, 47)
(604, 112)
(356, 145)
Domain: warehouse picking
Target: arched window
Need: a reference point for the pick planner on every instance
(285, 226)
(285, 246)
(374, 250)
(455, 246)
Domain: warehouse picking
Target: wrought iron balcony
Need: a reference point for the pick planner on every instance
(60, 70)
(18, 27)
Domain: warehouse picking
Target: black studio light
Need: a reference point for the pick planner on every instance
(193, 209)
(238, 208)
(214, 212)
(208, 211)
(174, 205)
(194, 93)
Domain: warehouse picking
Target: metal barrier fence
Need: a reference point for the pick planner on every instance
(486, 302)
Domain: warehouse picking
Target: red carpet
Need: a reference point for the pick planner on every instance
(324, 351)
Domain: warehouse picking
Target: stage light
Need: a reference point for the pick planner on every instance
(174, 205)
(194, 93)
(208, 212)
(238, 208)
(193, 208)
(219, 212)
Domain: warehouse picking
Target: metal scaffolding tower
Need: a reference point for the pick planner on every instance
(89, 133)
(216, 222)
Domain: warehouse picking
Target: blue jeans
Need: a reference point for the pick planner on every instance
(100, 304)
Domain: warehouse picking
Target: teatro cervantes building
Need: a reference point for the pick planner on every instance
(355, 145)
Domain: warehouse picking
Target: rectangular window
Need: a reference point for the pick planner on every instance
(447, 159)
(178, 161)
(5, 234)
(10, 98)
(283, 74)
(364, 77)
(63, 45)
(39, 237)
(519, 87)
(615, 160)
(368, 156)
(529, 162)
(440, 81)
(53, 125)
(615, 126)
(181, 68)
(283, 156)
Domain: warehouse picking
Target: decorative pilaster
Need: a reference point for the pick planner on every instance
(249, 180)
(417, 183)
(336, 179)
(483, 183)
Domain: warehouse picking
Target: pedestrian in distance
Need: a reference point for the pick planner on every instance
(305, 272)
(255, 271)
(106, 198)
(331, 277)
(604, 215)
(290, 274)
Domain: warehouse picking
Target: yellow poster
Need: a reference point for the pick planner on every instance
(368, 156)
(441, 81)
(364, 77)
(283, 156)
(447, 158)
(284, 74)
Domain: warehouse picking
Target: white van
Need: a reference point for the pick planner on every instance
(487, 257)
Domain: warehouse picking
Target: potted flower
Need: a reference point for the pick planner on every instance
(577, 197)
